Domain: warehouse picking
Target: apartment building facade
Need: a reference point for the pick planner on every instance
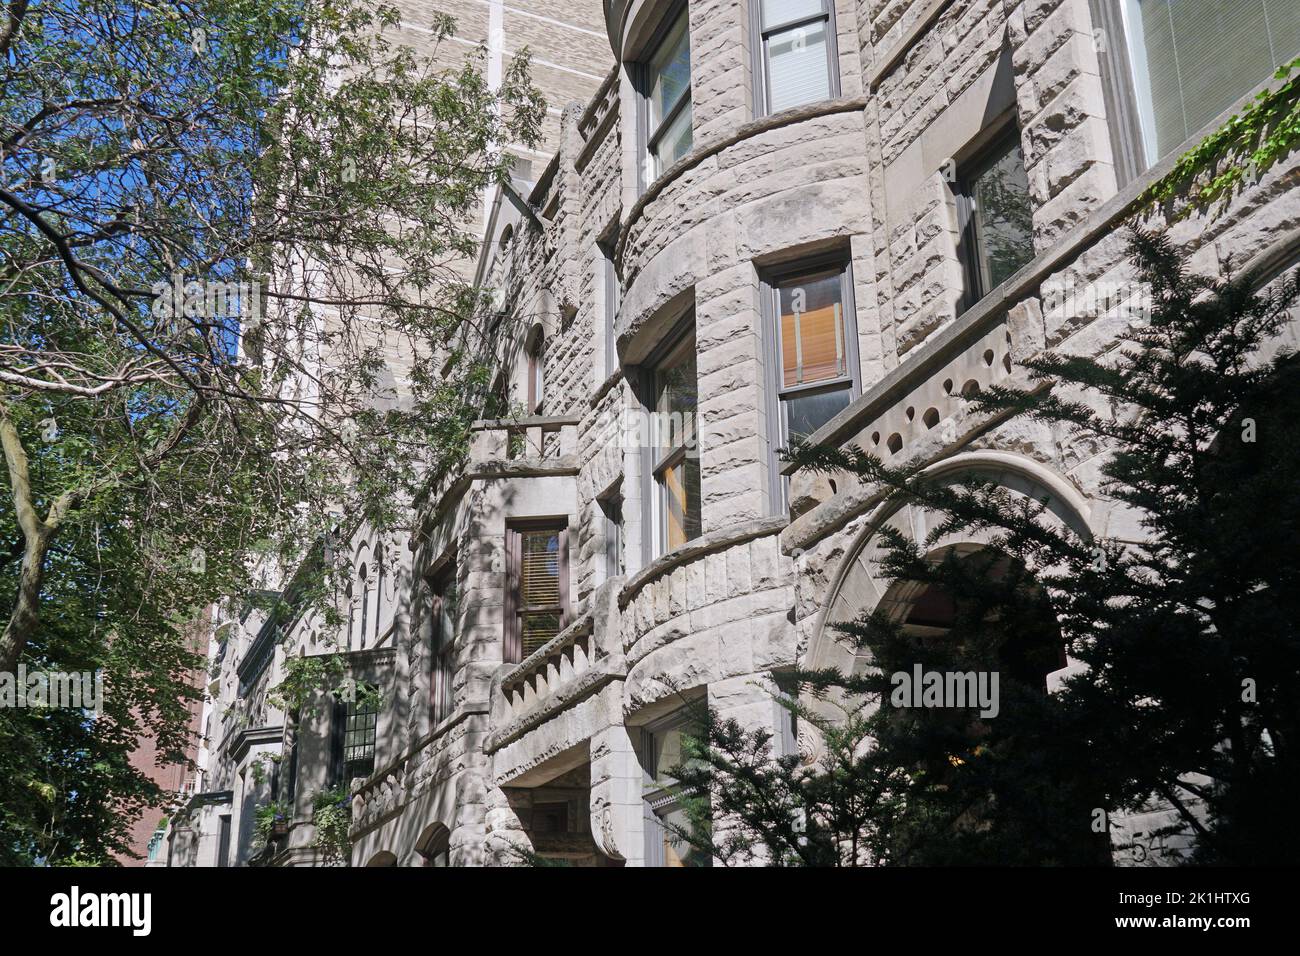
(774, 217)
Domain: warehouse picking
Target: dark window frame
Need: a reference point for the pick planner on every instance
(354, 740)
(994, 146)
(770, 282)
(760, 59)
(512, 642)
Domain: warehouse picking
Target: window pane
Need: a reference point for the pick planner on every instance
(1003, 221)
(675, 141)
(777, 12)
(1193, 58)
(676, 397)
(539, 572)
(670, 72)
(804, 414)
(677, 852)
(812, 331)
(681, 502)
(797, 70)
(536, 629)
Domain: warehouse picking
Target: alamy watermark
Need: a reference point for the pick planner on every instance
(957, 689)
(78, 690)
(209, 299)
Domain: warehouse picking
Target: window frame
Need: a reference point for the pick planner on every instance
(442, 648)
(658, 795)
(1129, 145)
(993, 148)
(760, 59)
(512, 641)
(611, 510)
(655, 543)
(344, 711)
(613, 293)
(535, 384)
(770, 282)
(649, 138)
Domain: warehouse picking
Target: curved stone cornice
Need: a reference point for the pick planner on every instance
(692, 159)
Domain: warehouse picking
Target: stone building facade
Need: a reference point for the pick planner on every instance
(820, 217)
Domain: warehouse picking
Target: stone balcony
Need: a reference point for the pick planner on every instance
(570, 668)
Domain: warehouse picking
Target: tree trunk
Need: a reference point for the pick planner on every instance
(36, 544)
(26, 612)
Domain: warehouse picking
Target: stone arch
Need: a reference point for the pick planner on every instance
(383, 858)
(857, 585)
(433, 845)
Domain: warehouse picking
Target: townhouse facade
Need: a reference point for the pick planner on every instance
(824, 218)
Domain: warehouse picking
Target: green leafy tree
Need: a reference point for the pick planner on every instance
(1190, 656)
(220, 220)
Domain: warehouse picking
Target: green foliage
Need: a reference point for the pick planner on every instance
(1244, 148)
(332, 815)
(290, 147)
(265, 818)
(1189, 651)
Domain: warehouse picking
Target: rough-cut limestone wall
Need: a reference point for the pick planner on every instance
(721, 615)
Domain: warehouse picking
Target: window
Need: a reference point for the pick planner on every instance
(809, 317)
(666, 97)
(613, 294)
(997, 235)
(223, 840)
(796, 54)
(536, 364)
(538, 554)
(611, 507)
(356, 725)
(435, 848)
(1192, 59)
(442, 613)
(675, 460)
(665, 816)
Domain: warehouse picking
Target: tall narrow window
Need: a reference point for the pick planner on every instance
(356, 725)
(996, 216)
(815, 351)
(665, 817)
(796, 58)
(539, 586)
(223, 840)
(1192, 59)
(611, 507)
(675, 450)
(667, 97)
(442, 642)
(536, 366)
(613, 294)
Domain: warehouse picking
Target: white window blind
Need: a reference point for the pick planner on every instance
(796, 51)
(1192, 59)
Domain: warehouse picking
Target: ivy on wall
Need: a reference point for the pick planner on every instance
(1244, 148)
